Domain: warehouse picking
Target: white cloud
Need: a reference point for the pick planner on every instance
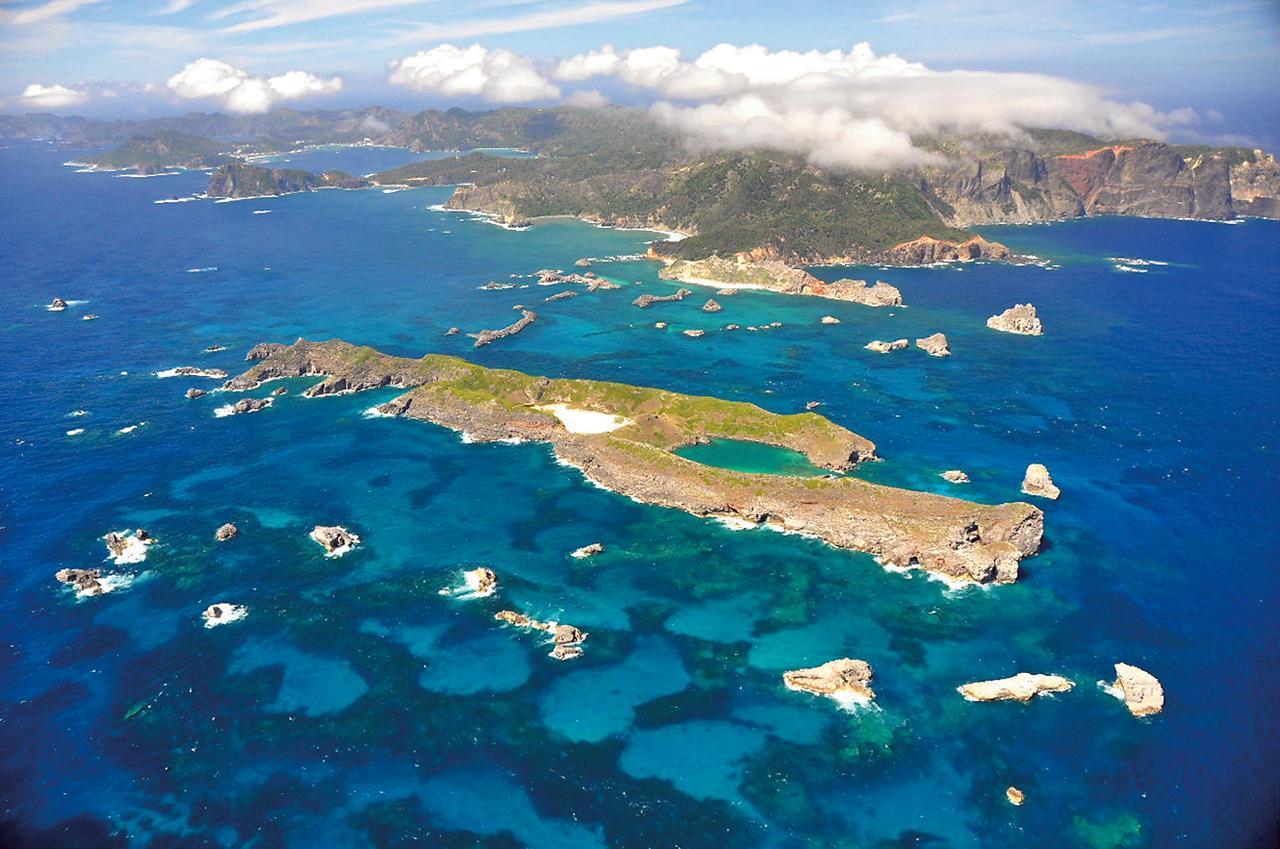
(240, 92)
(496, 75)
(44, 12)
(587, 98)
(588, 13)
(38, 96)
(175, 6)
(854, 109)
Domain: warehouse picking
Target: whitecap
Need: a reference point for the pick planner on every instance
(202, 270)
(262, 212)
(135, 550)
(75, 431)
(130, 428)
(77, 413)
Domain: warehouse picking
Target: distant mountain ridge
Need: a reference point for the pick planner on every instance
(619, 166)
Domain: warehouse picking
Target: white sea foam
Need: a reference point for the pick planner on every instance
(145, 176)
(130, 428)
(75, 431)
(262, 212)
(78, 413)
(110, 583)
(135, 550)
(225, 614)
(1131, 269)
(180, 200)
(202, 270)
(212, 374)
(376, 413)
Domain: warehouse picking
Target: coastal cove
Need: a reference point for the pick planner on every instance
(355, 704)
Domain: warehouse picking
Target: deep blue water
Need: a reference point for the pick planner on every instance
(355, 706)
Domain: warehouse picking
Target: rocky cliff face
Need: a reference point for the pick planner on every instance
(1255, 186)
(1141, 178)
(239, 180)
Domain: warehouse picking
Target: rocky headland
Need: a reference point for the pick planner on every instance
(776, 276)
(634, 455)
(240, 180)
(486, 337)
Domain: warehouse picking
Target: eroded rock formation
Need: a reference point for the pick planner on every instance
(835, 678)
(1020, 318)
(1140, 691)
(935, 345)
(1037, 482)
(1022, 687)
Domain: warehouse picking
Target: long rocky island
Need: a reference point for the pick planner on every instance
(623, 437)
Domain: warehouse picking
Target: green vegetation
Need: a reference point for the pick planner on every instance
(240, 180)
(165, 149)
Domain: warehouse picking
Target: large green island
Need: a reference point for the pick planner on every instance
(623, 437)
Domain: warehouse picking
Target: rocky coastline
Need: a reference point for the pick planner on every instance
(956, 539)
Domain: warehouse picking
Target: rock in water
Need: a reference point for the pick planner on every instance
(86, 581)
(1020, 318)
(644, 301)
(955, 476)
(194, 393)
(588, 550)
(830, 319)
(1038, 482)
(568, 640)
(885, 347)
(1140, 691)
(336, 539)
(223, 613)
(583, 263)
(711, 306)
(226, 532)
(453, 331)
(1022, 687)
(835, 678)
(1015, 796)
(935, 345)
(57, 305)
(482, 581)
(694, 334)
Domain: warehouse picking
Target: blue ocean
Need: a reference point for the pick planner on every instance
(356, 706)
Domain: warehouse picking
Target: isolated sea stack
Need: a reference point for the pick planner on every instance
(1140, 691)
(1022, 687)
(1019, 318)
(1037, 482)
(934, 346)
(835, 678)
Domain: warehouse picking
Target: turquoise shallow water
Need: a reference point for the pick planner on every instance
(356, 706)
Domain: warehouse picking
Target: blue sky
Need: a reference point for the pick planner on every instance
(114, 57)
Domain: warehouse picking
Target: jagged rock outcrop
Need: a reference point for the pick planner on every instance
(927, 250)
(193, 371)
(1019, 318)
(1038, 482)
(881, 347)
(935, 345)
(241, 180)
(1022, 687)
(223, 613)
(57, 305)
(711, 306)
(560, 296)
(955, 476)
(1148, 178)
(1140, 691)
(194, 393)
(955, 538)
(485, 337)
(644, 301)
(335, 539)
(86, 582)
(482, 581)
(567, 639)
(835, 678)
(226, 532)
(588, 550)
(248, 405)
